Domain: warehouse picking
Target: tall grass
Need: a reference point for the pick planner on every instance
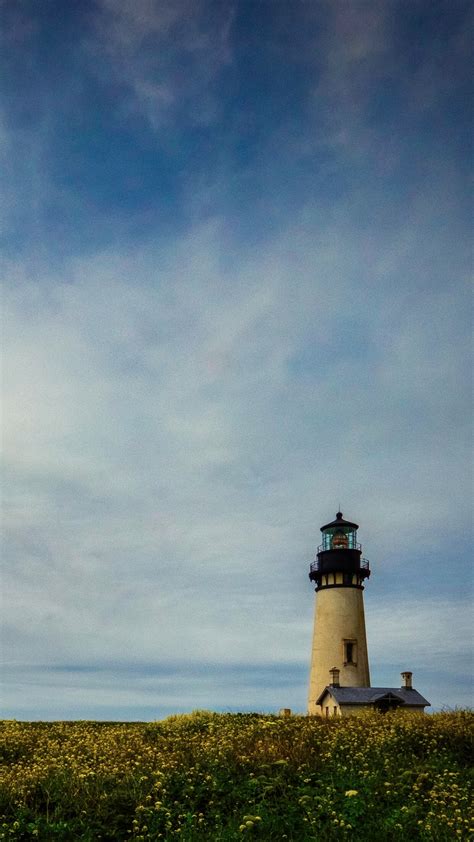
(224, 777)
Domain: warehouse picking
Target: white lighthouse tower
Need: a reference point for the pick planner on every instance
(339, 638)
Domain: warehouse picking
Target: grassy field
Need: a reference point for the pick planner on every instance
(224, 777)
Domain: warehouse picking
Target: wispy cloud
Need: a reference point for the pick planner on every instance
(167, 55)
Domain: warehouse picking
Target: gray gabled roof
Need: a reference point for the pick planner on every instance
(370, 695)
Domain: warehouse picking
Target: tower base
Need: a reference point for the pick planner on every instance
(339, 640)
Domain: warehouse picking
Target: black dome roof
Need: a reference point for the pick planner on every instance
(339, 522)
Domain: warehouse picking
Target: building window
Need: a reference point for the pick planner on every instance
(350, 653)
(335, 710)
(327, 711)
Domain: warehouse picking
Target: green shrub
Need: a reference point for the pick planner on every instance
(219, 777)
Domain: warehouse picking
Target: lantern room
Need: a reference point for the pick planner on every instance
(340, 534)
(338, 562)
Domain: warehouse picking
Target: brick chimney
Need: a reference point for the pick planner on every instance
(407, 676)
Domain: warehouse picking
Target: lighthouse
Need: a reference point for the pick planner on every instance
(339, 645)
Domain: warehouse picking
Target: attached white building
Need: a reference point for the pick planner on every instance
(342, 701)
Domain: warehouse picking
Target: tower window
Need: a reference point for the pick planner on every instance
(350, 652)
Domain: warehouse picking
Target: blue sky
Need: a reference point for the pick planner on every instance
(235, 260)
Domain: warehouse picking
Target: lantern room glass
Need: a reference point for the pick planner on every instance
(340, 538)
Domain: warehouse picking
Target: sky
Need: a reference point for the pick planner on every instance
(236, 247)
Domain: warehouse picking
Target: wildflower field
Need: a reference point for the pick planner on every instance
(209, 776)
